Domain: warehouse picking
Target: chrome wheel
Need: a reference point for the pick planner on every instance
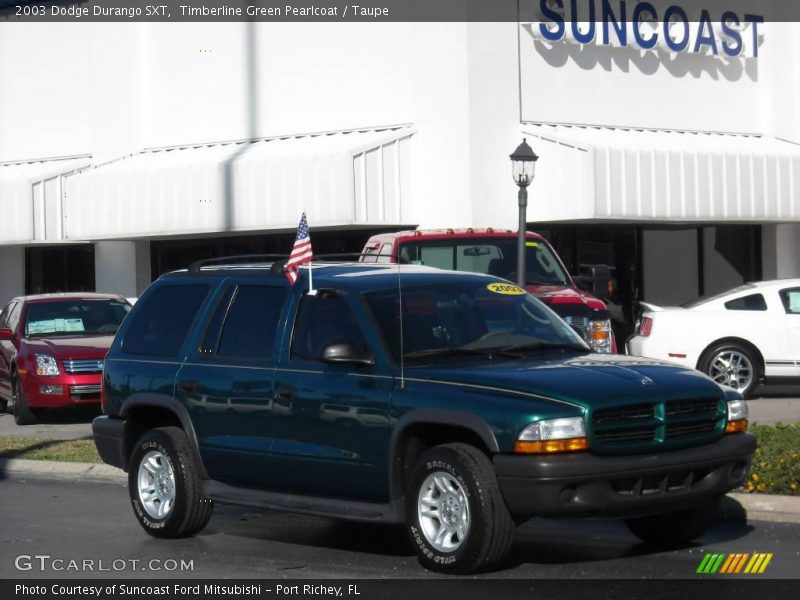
(443, 512)
(156, 483)
(732, 368)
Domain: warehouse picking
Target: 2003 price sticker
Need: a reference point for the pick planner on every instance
(506, 288)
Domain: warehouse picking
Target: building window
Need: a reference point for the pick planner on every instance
(66, 268)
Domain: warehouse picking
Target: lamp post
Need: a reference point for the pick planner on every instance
(523, 165)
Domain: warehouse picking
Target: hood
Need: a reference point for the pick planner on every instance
(555, 295)
(588, 381)
(86, 346)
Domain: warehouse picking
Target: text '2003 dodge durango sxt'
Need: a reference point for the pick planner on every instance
(455, 403)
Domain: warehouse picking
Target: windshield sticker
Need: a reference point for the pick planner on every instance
(55, 326)
(506, 288)
(532, 244)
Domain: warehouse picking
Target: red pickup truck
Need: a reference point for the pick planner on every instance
(494, 252)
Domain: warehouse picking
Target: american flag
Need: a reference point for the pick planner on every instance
(301, 253)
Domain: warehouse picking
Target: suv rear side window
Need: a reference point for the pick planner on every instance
(160, 326)
(251, 322)
(322, 320)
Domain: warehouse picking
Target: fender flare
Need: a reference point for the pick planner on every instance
(432, 416)
(176, 408)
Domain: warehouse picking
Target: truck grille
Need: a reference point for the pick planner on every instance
(646, 426)
(579, 324)
(94, 365)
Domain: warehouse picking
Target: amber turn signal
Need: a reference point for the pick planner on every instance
(736, 426)
(550, 446)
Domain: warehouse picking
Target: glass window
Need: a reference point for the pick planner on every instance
(370, 255)
(251, 322)
(4, 314)
(466, 318)
(75, 317)
(385, 255)
(323, 320)
(492, 256)
(791, 301)
(751, 302)
(208, 347)
(161, 324)
(12, 319)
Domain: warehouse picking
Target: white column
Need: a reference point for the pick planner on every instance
(115, 268)
(12, 273)
(787, 250)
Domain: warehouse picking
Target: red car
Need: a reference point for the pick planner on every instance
(494, 252)
(52, 348)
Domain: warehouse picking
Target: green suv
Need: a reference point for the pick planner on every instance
(454, 403)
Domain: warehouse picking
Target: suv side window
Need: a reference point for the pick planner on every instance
(791, 301)
(160, 326)
(251, 322)
(751, 302)
(323, 320)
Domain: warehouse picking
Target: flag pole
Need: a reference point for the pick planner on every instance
(311, 290)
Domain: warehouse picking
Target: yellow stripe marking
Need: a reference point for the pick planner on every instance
(765, 563)
(751, 563)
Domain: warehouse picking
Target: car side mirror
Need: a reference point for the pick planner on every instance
(345, 353)
(6, 334)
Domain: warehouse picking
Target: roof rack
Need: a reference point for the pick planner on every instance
(278, 261)
(239, 258)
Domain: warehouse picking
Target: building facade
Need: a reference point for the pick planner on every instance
(128, 149)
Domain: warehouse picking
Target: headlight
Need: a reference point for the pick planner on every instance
(737, 416)
(552, 435)
(46, 365)
(598, 335)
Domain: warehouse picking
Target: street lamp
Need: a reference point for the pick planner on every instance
(523, 165)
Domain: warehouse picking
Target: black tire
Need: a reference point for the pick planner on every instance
(706, 362)
(676, 527)
(491, 528)
(190, 510)
(23, 415)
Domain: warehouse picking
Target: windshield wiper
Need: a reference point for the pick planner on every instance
(460, 351)
(535, 346)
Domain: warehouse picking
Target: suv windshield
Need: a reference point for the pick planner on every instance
(75, 317)
(491, 256)
(468, 317)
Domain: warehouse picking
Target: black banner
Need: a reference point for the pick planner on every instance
(380, 589)
(699, 11)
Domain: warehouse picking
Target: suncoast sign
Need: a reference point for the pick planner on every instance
(642, 25)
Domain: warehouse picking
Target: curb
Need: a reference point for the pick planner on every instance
(735, 507)
(52, 469)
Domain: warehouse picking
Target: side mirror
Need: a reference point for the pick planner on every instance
(345, 353)
(596, 280)
(6, 334)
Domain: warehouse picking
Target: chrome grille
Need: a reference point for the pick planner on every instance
(84, 390)
(94, 365)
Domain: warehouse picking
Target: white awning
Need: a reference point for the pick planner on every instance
(644, 175)
(30, 198)
(341, 178)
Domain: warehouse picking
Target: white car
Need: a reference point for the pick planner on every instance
(738, 338)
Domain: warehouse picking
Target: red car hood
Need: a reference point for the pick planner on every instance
(559, 294)
(88, 346)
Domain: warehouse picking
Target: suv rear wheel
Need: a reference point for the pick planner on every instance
(455, 514)
(673, 528)
(165, 488)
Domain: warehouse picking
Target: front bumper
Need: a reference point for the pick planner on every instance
(71, 390)
(587, 485)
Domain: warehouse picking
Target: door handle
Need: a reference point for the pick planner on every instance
(187, 386)
(285, 393)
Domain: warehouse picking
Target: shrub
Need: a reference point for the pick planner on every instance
(776, 463)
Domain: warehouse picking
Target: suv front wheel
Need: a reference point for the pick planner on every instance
(455, 514)
(165, 488)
